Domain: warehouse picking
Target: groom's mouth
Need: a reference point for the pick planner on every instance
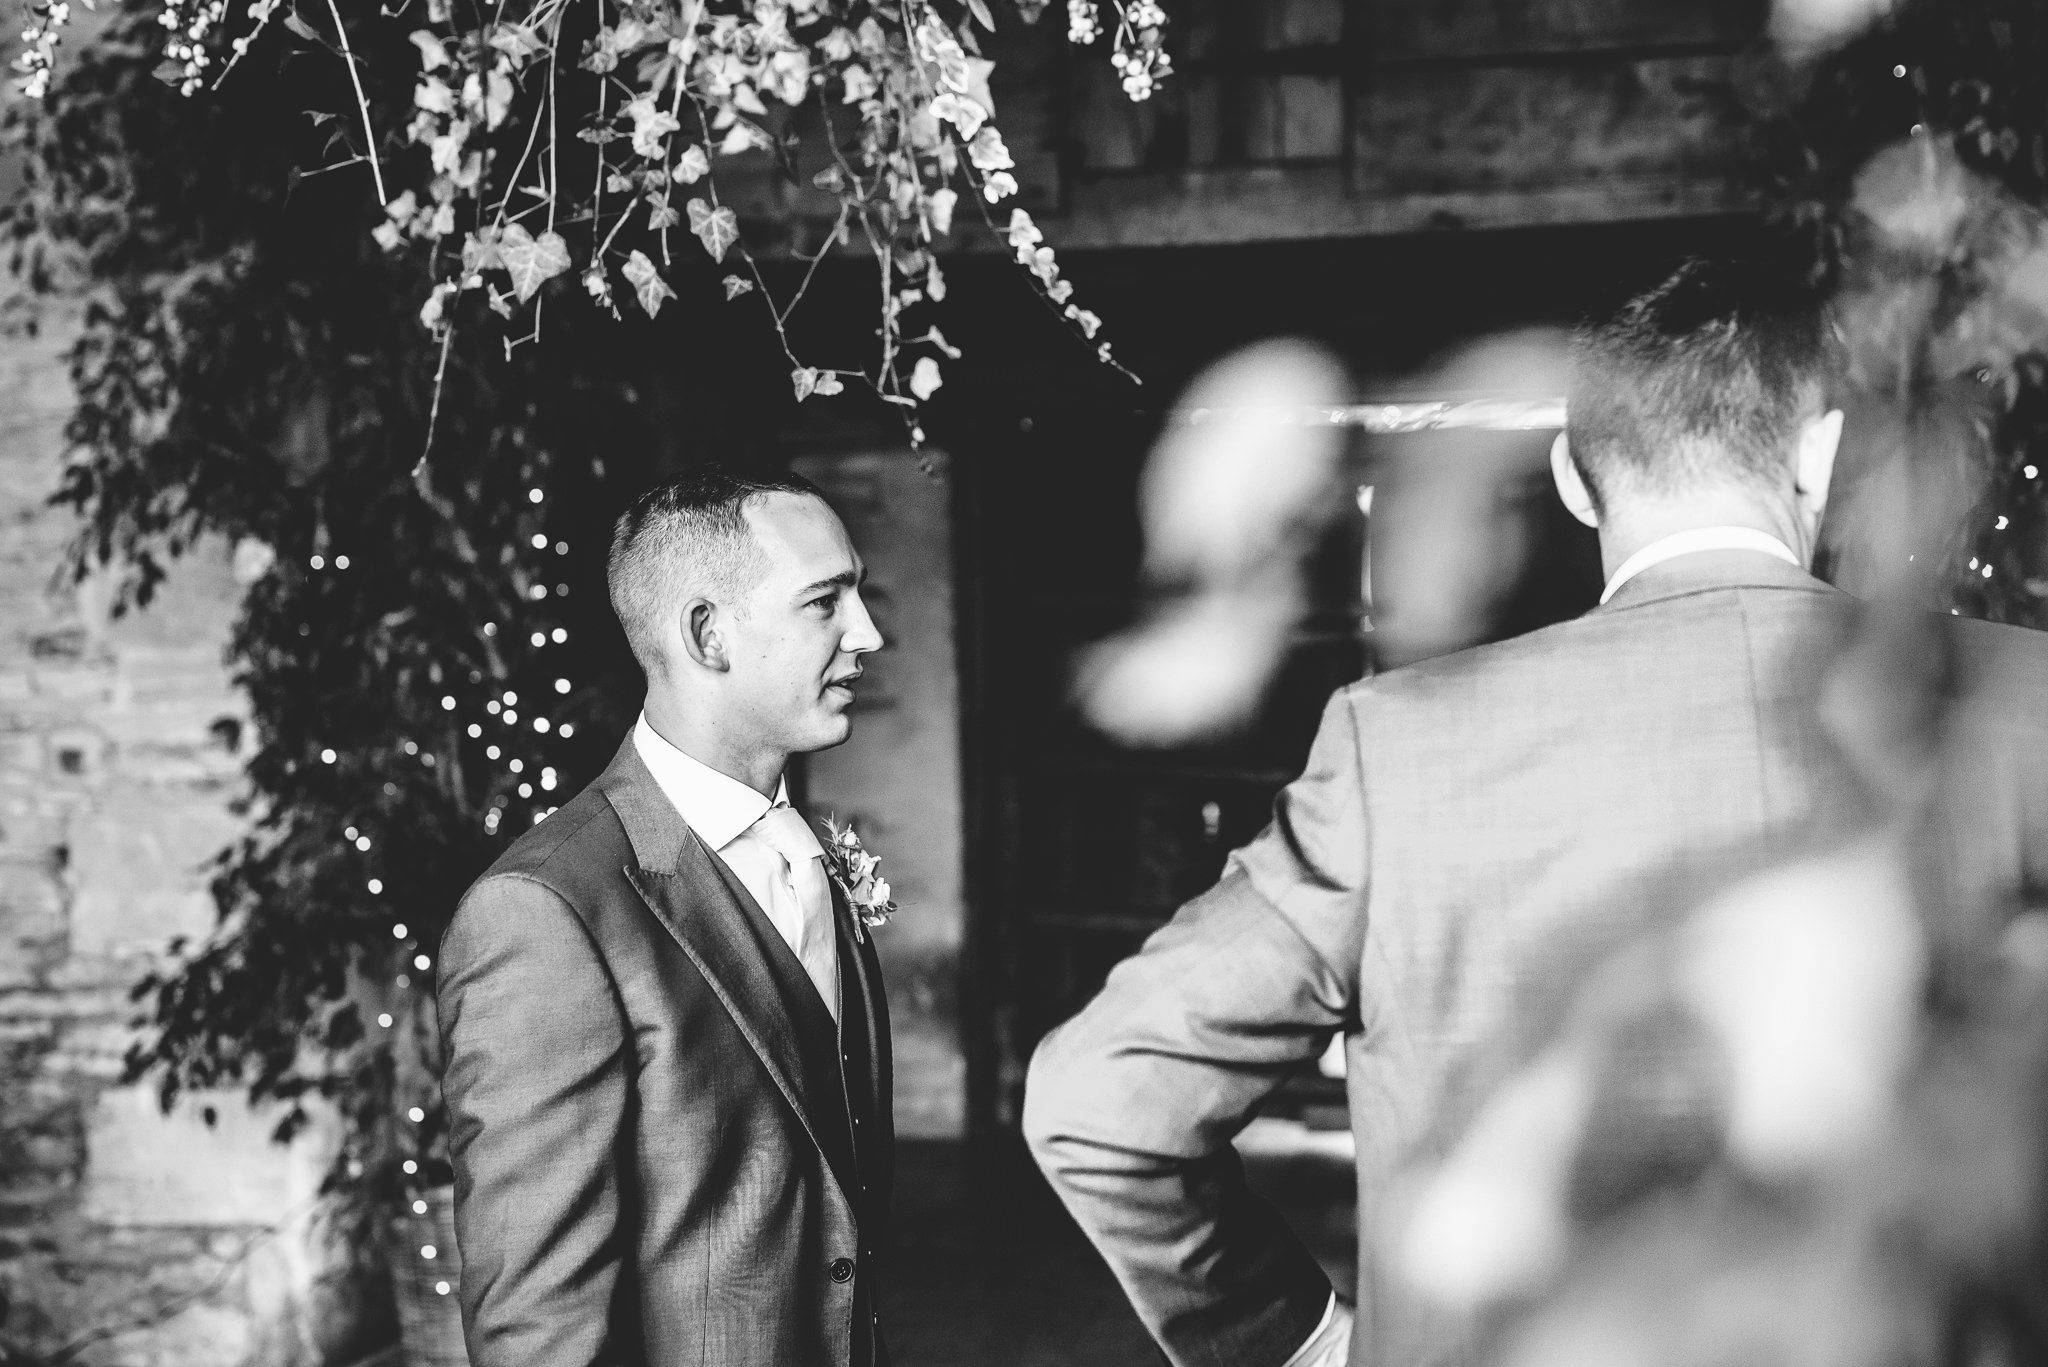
(843, 686)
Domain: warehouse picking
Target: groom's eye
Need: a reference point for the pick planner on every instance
(824, 602)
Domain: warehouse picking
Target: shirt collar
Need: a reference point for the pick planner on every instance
(718, 807)
(1692, 541)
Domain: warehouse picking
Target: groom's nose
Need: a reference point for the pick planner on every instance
(861, 635)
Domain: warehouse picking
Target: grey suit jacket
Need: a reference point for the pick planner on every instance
(652, 1134)
(1466, 829)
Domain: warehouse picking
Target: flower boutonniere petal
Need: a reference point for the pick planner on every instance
(858, 875)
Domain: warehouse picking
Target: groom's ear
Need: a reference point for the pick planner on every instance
(703, 642)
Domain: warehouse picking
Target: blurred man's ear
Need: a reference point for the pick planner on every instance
(1819, 439)
(1571, 486)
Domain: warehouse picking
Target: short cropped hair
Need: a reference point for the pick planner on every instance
(681, 539)
(1701, 381)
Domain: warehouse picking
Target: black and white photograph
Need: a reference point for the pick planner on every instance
(994, 683)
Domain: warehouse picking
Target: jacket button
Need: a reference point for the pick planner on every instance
(842, 1269)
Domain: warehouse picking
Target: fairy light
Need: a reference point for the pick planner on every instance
(384, 1019)
(447, 703)
(566, 730)
(534, 495)
(540, 541)
(376, 886)
(540, 724)
(415, 1115)
(540, 638)
(419, 1207)
(409, 1167)
(429, 1252)
(341, 562)
(319, 562)
(399, 932)
(511, 717)
(363, 842)
(561, 685)
(422, 962)
(560, 635)
(518, 765)
(441, 1288)
(494, 707)
(474, 730)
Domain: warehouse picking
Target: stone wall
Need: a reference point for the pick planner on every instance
(150, 1235)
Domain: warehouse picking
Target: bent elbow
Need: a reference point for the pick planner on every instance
(1048, 1101)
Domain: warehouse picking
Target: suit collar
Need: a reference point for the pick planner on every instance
(1693, 541)
(1704, 571)
(718, 807)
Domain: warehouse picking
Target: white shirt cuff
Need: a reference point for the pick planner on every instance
(1330, 1344)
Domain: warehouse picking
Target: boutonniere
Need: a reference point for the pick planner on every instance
(855, 871)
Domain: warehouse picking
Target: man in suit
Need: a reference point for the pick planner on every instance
(667, 1047)
(1464, 827)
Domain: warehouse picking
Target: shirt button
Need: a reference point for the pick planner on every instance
(842, 1270)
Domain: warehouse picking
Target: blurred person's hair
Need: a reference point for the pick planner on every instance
(685, 538)
(1702, 381)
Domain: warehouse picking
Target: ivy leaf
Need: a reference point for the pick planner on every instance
(981, 14)
(828, 384)
(735, 287)
(805, 381)
(652, 290)
(692, 166)
(662, 216)
(531, 261)
(302, 28)
(925, 378)
(517, 43)
(717, 228)
(963, 113)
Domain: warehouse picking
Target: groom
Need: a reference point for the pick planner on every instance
(667, 1048)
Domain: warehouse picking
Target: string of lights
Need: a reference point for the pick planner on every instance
(514, 735)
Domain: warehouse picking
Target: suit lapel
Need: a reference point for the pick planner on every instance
(859, 947)
(761, 984)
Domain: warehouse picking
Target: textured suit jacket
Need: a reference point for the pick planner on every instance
(1466, 829)
(664, 1151)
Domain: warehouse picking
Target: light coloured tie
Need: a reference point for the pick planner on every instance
(786, 832)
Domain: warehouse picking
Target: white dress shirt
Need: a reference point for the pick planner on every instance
(1693, 541)
(786, 879)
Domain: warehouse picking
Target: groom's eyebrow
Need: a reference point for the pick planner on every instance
(845, 579)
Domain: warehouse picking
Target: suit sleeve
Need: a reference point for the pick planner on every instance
(535, 1085)
(1130, 1108)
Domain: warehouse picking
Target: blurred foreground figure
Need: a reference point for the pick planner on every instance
(1471, 833)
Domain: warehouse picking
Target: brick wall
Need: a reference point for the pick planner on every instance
(117, 762)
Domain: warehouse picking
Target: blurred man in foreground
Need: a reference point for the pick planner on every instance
(1468, 827)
